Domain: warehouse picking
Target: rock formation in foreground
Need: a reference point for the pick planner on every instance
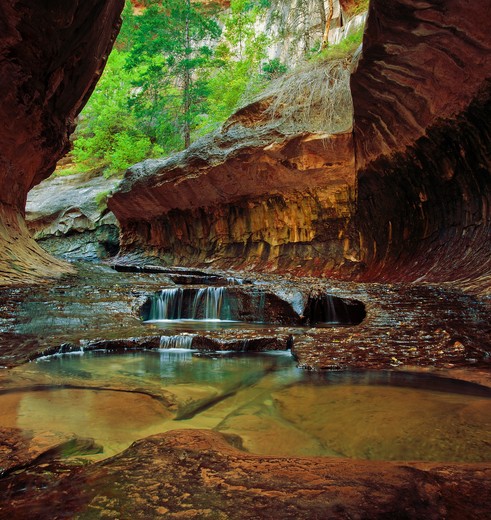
(405, 196)
(51, 55)
(198, 474)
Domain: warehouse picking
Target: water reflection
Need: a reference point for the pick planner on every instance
(276, 408)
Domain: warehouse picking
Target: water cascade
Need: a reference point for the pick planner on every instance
(332, 310)
(209, 303)
(219, 305)
(184, 341)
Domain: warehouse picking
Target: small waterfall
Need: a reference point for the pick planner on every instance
(209, 303)
(235, 281)
(210, 300)
(260, 305)
(183, 341)
(332, 310)
(167, 305)
(331, 314)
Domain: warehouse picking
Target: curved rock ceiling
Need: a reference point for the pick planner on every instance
(422, 132)
(410, 203)
(406, 197)
(51, 55)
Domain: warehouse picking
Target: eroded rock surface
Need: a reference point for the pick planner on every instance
(413, 205)
(404, 327)
(197, 474)
(51, 57)
(68, 216)
(421, 97)
(242, 199)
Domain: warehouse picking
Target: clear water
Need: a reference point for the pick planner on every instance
(274, 407)
(190, 325)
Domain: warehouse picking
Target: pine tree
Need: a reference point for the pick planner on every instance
(171, 47)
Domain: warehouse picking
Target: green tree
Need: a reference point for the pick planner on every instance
(172, 46)
(237, 62)
(108, 134)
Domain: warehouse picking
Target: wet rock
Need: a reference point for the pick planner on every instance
(179, 275)
(198, 474)
(245, 342)
(423, 156)
(417, 325)
(139, 343)
(20, 449)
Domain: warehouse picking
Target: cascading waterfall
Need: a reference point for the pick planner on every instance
(178, 304)
(184, 341)
(210, 300)
(333, 310)
(166, 305)
(260, 304)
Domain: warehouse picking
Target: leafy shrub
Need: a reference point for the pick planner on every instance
(273, 69)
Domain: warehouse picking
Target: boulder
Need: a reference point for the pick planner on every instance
(69, 217)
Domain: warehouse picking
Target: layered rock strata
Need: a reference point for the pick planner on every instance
(68, 216)
(51, 55)
(243, 199)
(421, 97)
(405, 326)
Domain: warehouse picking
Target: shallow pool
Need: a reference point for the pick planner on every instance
(270, 406)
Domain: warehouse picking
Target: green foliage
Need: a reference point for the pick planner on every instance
(151, 92)
(236, 75)
(177, 71)
(101, 198)
(170, 47)
(359, 7)
(108, 134)
(125, 36)
(273, 69)
(343, 49)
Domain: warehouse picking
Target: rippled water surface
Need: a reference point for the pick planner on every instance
(274, 407)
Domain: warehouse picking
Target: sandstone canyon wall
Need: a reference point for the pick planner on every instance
(413, 201)
(268, 191)
(404, 196)
(254, 201)
(422, 132)
(51, 54)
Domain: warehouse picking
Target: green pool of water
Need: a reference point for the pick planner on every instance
(272, 406)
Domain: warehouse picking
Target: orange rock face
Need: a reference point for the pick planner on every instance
(404, 197)
(254, 202)
(197, 474)
(51, 58)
